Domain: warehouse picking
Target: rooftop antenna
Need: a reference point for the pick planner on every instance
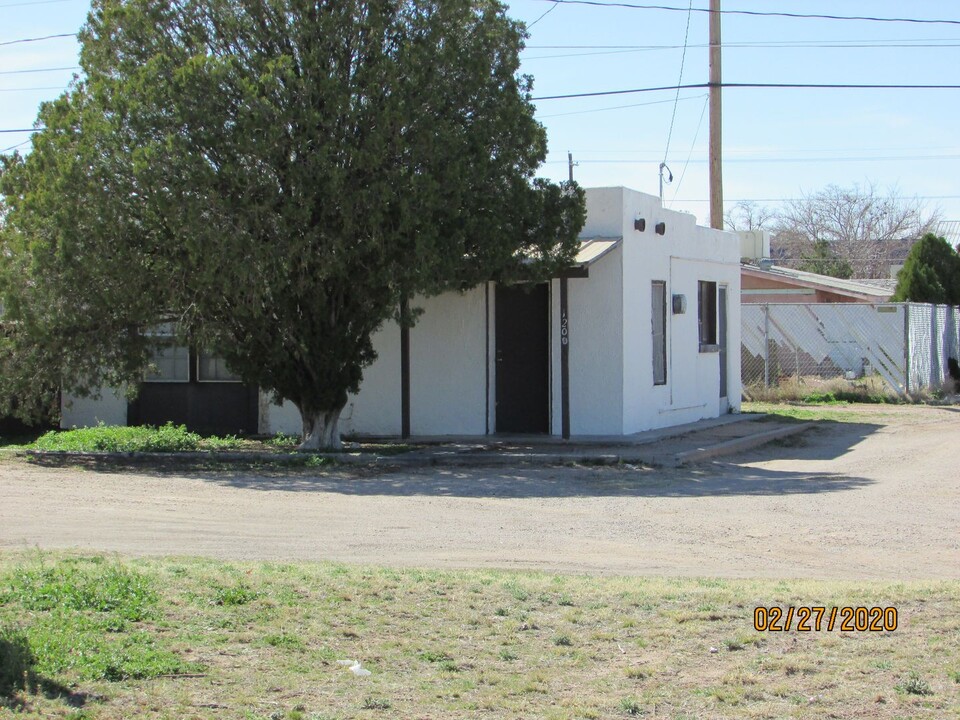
(668, 179)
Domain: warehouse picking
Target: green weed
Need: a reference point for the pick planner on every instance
(109, 438)
(913, 684)
(98, 588)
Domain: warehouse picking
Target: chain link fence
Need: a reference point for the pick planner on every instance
(900, 347)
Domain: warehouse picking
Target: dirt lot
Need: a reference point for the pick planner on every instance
(876, 498)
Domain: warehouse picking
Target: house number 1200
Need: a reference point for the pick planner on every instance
(564, 332)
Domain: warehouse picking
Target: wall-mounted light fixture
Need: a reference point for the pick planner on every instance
(661, 228)
(679, 304)
(640, 224)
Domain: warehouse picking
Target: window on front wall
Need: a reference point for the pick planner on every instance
(211, 368)
(169, 363)
(658, 321)
(707, 316)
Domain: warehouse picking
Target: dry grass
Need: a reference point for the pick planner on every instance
(263, 640)
(868, 389)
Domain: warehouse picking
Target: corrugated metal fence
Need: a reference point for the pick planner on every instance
(906, 344)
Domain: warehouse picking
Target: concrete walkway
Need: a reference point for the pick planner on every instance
(666, 447)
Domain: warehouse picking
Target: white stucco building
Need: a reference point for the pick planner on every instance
(633, 338)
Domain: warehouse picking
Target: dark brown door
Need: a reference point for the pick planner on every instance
(523, 359)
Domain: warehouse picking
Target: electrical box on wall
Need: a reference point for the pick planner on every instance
(679, 304)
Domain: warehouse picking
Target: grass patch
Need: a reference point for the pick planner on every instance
(836, 412)
(204, 639)
(115, 438)
(79, 618)
(172, 438)
(814, 389)
(110, 589)
(16, 662)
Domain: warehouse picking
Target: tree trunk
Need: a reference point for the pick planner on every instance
(321, 430)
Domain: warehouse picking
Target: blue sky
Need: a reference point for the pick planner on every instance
(778, 143)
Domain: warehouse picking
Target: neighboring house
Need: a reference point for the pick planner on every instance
(633, 337)
(764, 282)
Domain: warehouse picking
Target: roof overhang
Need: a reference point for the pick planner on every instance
(813, 281)
(591, 250)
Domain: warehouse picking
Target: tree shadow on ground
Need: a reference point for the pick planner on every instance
(826, 440)
(528, 480)
(19, 680)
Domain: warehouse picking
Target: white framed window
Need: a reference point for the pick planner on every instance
(169, 363)
(211, 368)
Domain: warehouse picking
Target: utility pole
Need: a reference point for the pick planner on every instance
(716, 133)
(570, 164)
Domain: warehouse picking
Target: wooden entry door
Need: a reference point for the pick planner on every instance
(523, 359)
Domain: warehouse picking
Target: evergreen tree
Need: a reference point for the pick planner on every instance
(274, 177)
(931, 273)
(824, 261)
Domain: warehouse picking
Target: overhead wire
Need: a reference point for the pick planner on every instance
(907, 42)
(37, 39)
(762, 13)
(871, 158)
(530, 25)
(33, 2)
(686, 163)
(619, 107)
(14, 147)
(626, 50)
(791, 86)
(676, 99)
(38, 70)
(31, 89)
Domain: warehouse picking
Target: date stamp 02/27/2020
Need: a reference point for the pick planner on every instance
(815, 618)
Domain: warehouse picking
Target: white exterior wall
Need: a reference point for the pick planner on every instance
(110, 408)
(595, 308)
(685, 254)
(448, 366)
(452, 345)
(375, 410)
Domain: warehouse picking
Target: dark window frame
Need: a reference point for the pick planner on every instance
(707, 320)
(658, 322)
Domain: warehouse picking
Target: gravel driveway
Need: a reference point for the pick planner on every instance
(878, 498)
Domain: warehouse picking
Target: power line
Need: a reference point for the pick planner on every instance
(618, 107)
(686, 164)
(788, 86)
(22, 130)
(542, 16)
(38, 70)
(31, 89)
(14, 147)
(760, 13)
(875, 42)
(37, 39)
(33, 2)
(676, 99)
(624, 50)
(793, 199)
(862, 158)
